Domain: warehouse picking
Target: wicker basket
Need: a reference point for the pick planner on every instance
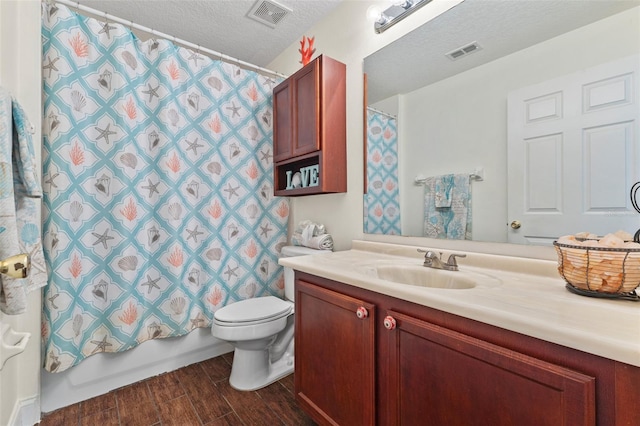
(599, 270)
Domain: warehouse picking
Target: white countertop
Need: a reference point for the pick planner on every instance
(530, 297)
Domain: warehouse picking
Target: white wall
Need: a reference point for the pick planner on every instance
(20, 74)
(347, 35)
(476, 134)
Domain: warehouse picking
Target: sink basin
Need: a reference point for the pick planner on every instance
(425, 277)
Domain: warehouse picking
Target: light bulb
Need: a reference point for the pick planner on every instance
(376, 14)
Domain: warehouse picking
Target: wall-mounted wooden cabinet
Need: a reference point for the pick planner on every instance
(309, 130)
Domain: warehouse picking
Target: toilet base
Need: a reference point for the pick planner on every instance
(253, 369)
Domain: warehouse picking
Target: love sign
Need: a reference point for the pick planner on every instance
(306, 177)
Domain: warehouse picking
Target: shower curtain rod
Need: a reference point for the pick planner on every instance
(175, 40)
(382, 112)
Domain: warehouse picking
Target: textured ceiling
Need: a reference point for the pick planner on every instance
(221, 25)
(500, 27)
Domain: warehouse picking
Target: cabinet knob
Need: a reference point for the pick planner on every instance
(362, 312)
(389, 322)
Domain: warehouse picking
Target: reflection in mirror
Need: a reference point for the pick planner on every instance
(381, 200)
(578, 60)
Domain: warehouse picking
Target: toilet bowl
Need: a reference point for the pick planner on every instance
(261, 331)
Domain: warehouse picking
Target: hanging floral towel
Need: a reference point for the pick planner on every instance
(20, 194)
(443, 191)
(453, 222)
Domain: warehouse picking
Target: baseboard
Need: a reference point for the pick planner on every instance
(26, 412)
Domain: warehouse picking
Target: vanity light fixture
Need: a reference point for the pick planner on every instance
(399, 10)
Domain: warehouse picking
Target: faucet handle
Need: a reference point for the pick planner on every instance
(452, 259)
(430, 254)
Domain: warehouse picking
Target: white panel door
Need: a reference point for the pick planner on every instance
(574, 153)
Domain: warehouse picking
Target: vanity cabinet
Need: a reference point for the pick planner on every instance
(309, 130)
(432, 368)
(334, 362)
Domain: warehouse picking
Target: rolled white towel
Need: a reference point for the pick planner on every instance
(321, 242)
(305, 231)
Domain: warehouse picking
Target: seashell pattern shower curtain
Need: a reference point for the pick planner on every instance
(158, 206)
(381, 202)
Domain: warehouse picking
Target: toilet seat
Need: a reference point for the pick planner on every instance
(252, 311)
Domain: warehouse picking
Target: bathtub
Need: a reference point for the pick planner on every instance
(104, 372)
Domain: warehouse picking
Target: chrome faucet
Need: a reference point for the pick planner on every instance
(432, 260)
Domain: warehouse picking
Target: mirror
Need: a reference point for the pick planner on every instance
(452, 113)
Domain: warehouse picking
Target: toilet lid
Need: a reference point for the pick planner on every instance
(258, 309)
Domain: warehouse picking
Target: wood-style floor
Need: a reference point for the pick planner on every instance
(198, 394)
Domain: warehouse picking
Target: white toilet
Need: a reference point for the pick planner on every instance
(261, 330)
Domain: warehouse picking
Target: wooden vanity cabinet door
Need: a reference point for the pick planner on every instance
(442, 377)
(334, 362)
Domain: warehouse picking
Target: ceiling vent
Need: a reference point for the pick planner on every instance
(463, 51)
(268, 12)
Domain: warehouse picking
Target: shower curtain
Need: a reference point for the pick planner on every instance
(382, 205)
(158, 205)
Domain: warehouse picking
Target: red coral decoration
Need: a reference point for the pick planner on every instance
(77, 154)
(174, 71)
(215, 124)
(283, 210)
(174, 163)
(252, 170)
(280, 283)
(253, 93)
(79, 46)
(215, 297)
(76, 267)
(130, 211)
(130, 109)
(215, 210)
(390, 185)
(130, 314)
(308, 52)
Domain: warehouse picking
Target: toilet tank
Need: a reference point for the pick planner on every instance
(292, 251)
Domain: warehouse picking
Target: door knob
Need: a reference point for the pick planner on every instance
(516, 224)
